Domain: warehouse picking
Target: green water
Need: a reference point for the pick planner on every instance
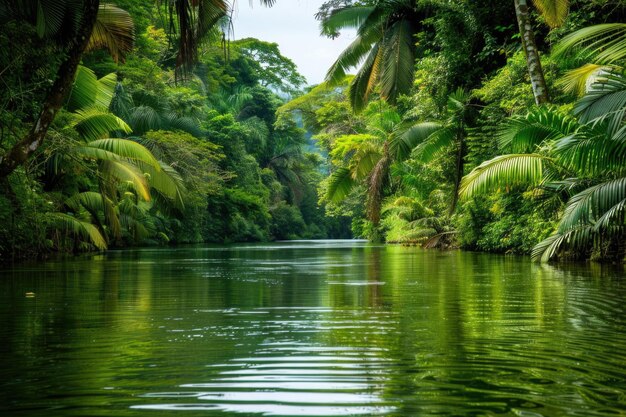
(311, 329)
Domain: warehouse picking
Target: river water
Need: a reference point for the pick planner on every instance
(328, 328)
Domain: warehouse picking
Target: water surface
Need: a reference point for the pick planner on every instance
(311, 329)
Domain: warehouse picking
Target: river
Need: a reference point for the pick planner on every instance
(327, 328)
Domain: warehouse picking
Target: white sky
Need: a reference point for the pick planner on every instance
(292, 25)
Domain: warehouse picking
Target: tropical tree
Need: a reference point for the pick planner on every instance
(96, 26)
(554, 13)
(582, 163)
(385, 43)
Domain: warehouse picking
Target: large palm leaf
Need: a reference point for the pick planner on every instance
(114, 30)
(504, 171)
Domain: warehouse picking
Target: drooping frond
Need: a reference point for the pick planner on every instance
(436, 144)
(365, 80)
(377, 180)
(592, 203)
(604, 103)
(121, 171)
(365, 159)
(144, 119)
(340, 183)
(84, 90)
(351, 17)
(504, 171)
(105, 93)
(113, 30)
(79, 228)
(403, 141)
(604, 44)
(94, 123)
(592, 152)
(90, 200)
(553, 12)
(579, 80)
(577, 238)
(126, 149)
(540, 125)
(351, 57)
(167, 181)
(396, 74)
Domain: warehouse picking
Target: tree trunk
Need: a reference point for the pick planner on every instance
(53, 102)
(537, 80)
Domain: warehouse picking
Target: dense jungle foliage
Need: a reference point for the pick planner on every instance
(491, 126)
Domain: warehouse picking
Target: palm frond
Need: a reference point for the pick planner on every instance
(578, 80)
(78, 227)
(540, 125)
(578, 238)
(84, 90)
(436, 144)
(365, 159)
(122, 171)
(396, 75)
(350, 57)
(106, 90)
(604, 103)
(365, 80)
(94, 123)
(554, 12)
(403, 140)
(340, 183)
(126, 149)
(350, 17)
(504, 171)
(113, 30)
(144, 119)
(586, 207)
(604, 43)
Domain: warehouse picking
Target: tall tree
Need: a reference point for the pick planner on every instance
(385, 43)
(554, 13)
(114, 30)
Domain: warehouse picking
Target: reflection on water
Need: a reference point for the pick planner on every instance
(311, 329)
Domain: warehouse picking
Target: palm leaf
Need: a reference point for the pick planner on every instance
(605, 43)
(591, 204)
(396, 75)
(577, 238)
(113, 30)
(403, 141)
(578, 80)
(350, 57)
(106, 90)
(84, 90)
(77, 227)
(554, 12)
(94, 123)
(126, 149)
(350, 17)
(436, 144)
(144, 119)
(364, 82)
(604, 103)
(365, 159)
(340, 183)
(122, 171)
(540, 125)
(504, 171)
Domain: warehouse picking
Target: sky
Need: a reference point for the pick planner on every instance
(292, 25)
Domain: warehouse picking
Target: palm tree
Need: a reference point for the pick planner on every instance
(385, 43)
(557, 153)
(554, 13)
(430, 141)
(96, 26)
